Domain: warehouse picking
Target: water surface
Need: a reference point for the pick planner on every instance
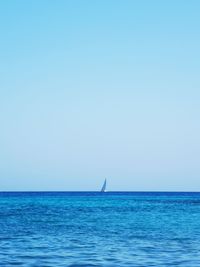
(60, 229)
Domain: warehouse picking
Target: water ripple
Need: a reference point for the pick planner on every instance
(88, 229)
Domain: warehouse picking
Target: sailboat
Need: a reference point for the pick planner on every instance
(103, 189)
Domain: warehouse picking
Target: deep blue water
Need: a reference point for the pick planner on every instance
(94, 229)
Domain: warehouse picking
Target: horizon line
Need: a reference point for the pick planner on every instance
(95, 191)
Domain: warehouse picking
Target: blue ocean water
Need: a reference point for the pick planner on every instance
(54, 229)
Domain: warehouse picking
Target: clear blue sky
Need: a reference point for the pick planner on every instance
(94, 89)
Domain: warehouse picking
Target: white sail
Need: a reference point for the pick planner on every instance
(103, 189)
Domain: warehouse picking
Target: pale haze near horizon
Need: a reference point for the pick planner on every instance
(95, 89)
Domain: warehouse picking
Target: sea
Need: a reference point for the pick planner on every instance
(118, 229)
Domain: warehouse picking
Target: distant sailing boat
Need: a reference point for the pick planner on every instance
(103, 189)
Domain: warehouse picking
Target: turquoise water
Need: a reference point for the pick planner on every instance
(94, 229)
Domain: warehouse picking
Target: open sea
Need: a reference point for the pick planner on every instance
(137, 229)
